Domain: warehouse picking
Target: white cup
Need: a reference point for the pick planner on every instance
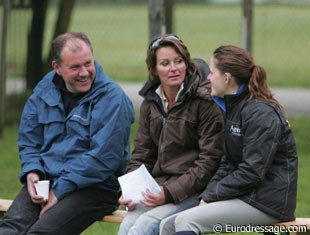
(42, 188)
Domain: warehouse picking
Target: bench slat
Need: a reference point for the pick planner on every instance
(5, 204)
(298, 222)
(118, 216)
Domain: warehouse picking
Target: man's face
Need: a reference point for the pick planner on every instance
(77, 67)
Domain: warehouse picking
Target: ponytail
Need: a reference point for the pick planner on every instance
(240, 64)
(258, 86)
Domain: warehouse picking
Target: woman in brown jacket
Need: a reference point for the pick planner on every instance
(180, 136)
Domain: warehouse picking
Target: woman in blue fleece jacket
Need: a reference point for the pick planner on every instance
(74, 131)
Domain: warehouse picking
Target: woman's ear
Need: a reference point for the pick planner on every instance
(228, 77)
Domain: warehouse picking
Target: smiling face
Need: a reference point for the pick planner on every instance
(170, 67)
(77, 66)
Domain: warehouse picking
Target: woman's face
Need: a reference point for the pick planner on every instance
(218, 80)
(170, 67)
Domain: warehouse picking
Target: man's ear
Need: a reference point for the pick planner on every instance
(56, 67)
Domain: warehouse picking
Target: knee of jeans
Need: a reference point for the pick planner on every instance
(145, 225)
(145, 230)
(166, 227)
(181, 223)
(184, 223)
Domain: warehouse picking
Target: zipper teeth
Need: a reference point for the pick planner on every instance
(161, 144)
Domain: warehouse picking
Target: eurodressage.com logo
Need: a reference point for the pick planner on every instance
(235, 130)
(275, 229)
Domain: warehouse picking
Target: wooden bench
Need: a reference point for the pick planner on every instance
(118, 216)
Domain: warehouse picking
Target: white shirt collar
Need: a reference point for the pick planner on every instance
(161, 93)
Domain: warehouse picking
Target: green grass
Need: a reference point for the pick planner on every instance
(9, 168)
(120, 36)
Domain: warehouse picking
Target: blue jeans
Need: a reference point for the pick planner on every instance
(145, 220)
(71, 215)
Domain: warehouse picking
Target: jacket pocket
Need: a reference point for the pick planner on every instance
(78, 125)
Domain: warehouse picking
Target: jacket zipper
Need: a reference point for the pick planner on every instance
(161, 148)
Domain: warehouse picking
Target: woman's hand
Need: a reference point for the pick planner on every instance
(202, 203)
(154, 199)
(128, 204)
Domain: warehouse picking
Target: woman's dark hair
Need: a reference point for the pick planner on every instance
(240, 64)
(167, 40)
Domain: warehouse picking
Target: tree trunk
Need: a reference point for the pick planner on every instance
(247, 27)
(156, 18)
(169, 15)
(35, 43)
(65, 9)
(4, 17)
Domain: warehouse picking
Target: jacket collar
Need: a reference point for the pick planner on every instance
(49, 92)
(230, 99)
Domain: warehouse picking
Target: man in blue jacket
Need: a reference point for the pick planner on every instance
(74, 131)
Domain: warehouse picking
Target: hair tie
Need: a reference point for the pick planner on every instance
(252, 68)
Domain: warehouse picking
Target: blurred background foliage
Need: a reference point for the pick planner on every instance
(119, 32)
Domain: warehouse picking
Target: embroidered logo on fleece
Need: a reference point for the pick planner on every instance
(79, 117)
(235, 130)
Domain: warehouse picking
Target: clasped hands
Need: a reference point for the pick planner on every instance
(33, 178)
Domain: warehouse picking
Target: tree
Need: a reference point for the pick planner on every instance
(35, 43)
(35, 66)
(160, 17)
(4, 15)
(247, 27)
(168, 5)
(62, 25)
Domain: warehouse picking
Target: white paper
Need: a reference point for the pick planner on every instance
(136, 182)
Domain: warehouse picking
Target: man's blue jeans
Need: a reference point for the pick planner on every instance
(71, 215)
(145, 220)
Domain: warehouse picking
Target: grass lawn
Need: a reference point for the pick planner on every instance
(9, 168)
(119, 34)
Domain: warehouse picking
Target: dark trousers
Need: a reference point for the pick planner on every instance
(69, 216)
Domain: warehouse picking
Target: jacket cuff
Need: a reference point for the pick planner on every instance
(62, 188)
(168, 196)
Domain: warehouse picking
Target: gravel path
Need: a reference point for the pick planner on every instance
(296, 101)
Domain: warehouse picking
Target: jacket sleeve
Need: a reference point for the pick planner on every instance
(221, 172)
(112, 116)
(211, 148)
(261, 130)
(30, 140)
(145, 150)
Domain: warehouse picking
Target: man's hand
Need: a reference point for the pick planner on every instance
(154, 199)
(33, 178)
(128, 204)
(52, 201)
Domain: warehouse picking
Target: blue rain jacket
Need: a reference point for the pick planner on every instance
(88, 147)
